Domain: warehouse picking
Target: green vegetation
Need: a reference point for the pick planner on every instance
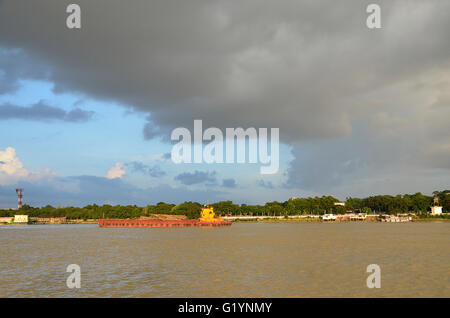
(429, 217)
(417, 203)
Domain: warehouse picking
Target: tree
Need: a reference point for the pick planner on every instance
(191, 209)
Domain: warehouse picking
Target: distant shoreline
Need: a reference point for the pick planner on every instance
(305, 220)
(318, 220)
(327, 218)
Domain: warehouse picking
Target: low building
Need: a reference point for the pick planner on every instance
(436, 210)
(51, 220)
(358, 217)
(6, 220)
(18, 218)
(342, 218)
(396, 219)
(339, 203)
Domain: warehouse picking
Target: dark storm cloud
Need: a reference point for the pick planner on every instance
(229, 183)
(154, 171)
(43, 112)
(196, 177)
(289, 64)
(310, 68)
(15, 64)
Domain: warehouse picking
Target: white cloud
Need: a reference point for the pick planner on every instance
(12, 169)
(10, 164)
(116, 171)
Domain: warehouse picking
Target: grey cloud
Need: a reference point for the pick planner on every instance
(15, 64)
(229, 183)
(311, 68)
(84, 190)
(154, 171)
(43, 112)
(78, 115)
(196, 177)
(152, 130)
(264, 184)
(293, 65)
(78, 103)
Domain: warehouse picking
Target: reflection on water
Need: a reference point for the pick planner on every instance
(255, 259)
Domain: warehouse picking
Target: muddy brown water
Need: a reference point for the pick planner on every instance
(244, 260)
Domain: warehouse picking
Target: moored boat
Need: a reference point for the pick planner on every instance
(207, 219)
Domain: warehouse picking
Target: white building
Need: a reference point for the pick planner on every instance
(7, 220)
(436, 210)
(339, 203)
(20, 218)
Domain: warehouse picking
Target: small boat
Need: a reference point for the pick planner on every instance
(396, 219)
(329, 217)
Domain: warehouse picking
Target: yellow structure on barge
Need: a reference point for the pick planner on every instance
(208, 215)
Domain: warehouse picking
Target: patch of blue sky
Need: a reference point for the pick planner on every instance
(87, 148)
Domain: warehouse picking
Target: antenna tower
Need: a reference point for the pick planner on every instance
(19, 198)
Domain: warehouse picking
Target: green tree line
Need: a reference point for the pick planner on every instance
(417, 203)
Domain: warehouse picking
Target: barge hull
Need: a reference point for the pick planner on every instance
(118, 223)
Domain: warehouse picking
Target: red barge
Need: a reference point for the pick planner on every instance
(207, 219)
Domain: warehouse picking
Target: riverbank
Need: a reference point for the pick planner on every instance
(291, 219)
(318, 219)
(433, 219)
(278, 220)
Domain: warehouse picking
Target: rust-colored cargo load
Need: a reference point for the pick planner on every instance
(164, 217)
(207, 219)
(159, 223)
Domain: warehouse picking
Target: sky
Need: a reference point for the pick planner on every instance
(86, 114)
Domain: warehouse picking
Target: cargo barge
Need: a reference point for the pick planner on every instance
(207, 219)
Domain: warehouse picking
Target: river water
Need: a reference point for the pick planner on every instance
(244, 260)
